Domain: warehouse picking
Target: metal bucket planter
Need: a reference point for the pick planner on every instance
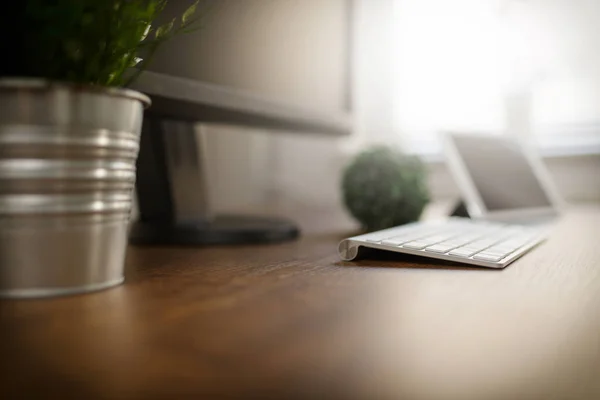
(67, 174)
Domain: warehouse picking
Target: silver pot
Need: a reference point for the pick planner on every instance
(67, 173)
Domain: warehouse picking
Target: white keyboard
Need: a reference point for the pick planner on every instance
(485, 244)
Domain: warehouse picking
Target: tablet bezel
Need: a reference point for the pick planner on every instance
(473, 200)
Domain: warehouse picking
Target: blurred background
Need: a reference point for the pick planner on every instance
(404, 71)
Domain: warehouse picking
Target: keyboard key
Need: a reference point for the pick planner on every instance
(438, 248)
(397, 241)
(393, 235)
(455, 241)
(461, 252)
(438, 238)
(472, 249)
(379, 238)
(415, 245)
(487, 257)
(487, 252)
(481, 244)
(500, 250)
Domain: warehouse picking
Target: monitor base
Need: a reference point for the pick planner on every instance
(220, 230)
(173, 193)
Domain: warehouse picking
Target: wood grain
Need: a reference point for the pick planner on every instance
(292, 321)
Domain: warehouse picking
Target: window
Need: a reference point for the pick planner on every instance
(524, 67)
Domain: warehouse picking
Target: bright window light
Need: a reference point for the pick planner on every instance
(523, 67)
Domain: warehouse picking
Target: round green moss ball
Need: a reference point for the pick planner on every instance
(383, 187)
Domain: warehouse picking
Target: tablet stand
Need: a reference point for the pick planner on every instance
(460, 210)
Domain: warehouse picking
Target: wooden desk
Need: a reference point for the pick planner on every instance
(291, 321)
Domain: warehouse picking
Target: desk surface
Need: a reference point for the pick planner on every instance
(291, 321)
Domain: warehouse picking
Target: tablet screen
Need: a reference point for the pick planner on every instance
(501, 173)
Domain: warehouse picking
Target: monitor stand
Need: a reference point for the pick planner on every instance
(172, 193)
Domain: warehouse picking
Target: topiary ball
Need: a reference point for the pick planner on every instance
(383, 188)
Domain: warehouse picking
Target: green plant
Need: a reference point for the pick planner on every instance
(90, 41)
(383, 187)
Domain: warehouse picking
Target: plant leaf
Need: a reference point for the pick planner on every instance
(163, 30)
(189, 12)
(94, 41)
(146, 32)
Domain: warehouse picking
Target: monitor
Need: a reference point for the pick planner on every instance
(278, 66)
(290, 53)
